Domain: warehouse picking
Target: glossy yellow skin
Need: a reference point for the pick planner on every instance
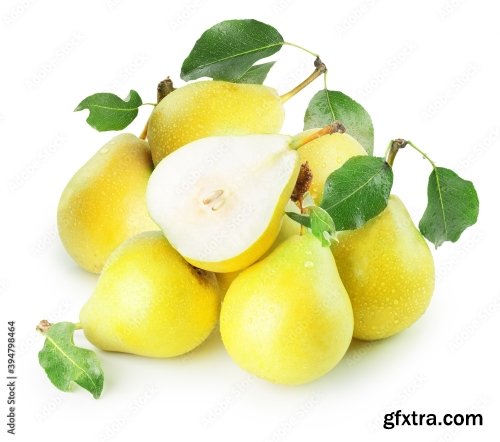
(288, 228)
(288, 318)
(105, 202)
(326, 154)
(388, 271)
(149, 301)
(207, 108)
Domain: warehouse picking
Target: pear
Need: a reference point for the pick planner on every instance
(288, 228)
(288, 318)
(388, 271)
(208, 108)
(220, 200)
(150, 302)
(325, 155)
(105, 201)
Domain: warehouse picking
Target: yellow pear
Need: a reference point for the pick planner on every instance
(388, 271)
(220, 200)
(208, 108)
(325, 155)
(288, 318)
(149, 301)
(288, 228)
(105, 201)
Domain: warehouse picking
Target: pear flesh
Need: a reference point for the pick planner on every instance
(220, 200)
(288, 318)
(105, 202)
(388, 271)
(150, 302)
(212, 108)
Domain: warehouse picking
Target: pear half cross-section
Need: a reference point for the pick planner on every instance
(220, 200)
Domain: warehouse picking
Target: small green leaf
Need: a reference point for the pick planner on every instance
(327, 106)
(256, 74)
(110, 112)
(229, 49)
(452, 206)
(322, 225)
(357, 191)
(303, 220)
(66, 363)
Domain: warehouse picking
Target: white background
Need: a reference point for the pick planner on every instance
(427, 71)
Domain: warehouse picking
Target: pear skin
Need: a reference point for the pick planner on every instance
(208, 108)
(388, 271)
(149, 301)
(325, 155)
(105, 202)
(288, 228)
(288, 318)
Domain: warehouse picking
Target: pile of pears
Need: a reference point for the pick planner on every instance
(188, 231)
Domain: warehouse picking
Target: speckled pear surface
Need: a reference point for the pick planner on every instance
(325, 155)
(207, 108)
(288, 318)
(388, 271)
(105, 202)
(149, 301)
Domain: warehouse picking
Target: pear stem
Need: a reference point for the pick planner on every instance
(144, 132)
(399, 143)
(320, 68)
(335, 127)
(393, 149)
(162, 90)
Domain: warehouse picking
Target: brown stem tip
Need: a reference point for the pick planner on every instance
(319, 65)
(303, 183)
(164, 88)
(43, 326)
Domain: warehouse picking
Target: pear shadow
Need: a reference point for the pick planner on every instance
(365, 357)
(212, 344)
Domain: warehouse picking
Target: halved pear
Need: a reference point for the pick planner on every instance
(220, 200)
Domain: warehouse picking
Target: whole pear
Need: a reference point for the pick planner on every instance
(149, 301)
(105, 201)
(207, 108)
(325, 155)
(288, 318)
(387, 269)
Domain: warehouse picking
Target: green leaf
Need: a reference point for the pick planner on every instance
(110, 112)
(322, 225)
(66, 363)
(452, 206)
(229, 49)
(357, 191)
(303, 220)
(256, 74)
(327, 106)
